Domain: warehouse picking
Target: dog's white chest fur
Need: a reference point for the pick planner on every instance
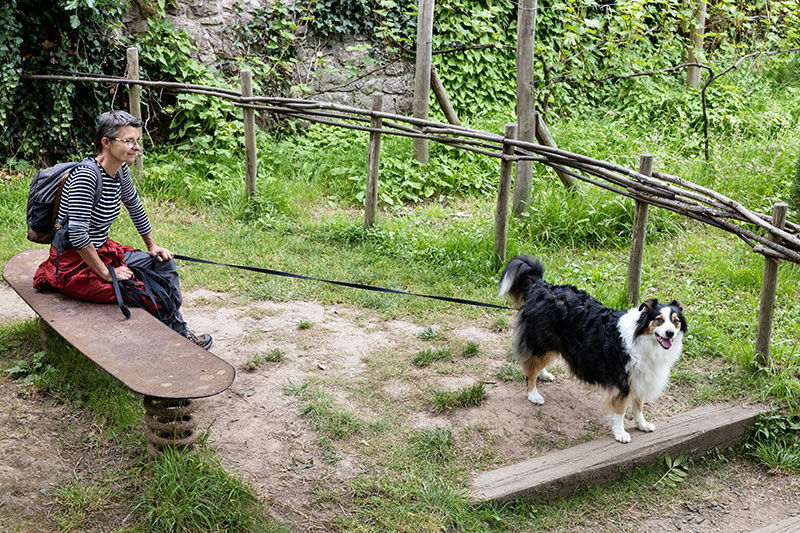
(650, 364)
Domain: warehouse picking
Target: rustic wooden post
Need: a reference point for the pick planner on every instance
(769, 287)
(696, 45)
(639, 234)
(443, 98)
(503, 191)
(373, 164)
(135, 101)
(544, 137)
(526, 125)
(251, 155)
(422, 78)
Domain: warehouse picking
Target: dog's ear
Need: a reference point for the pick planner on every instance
(675, 303)
(648, 304)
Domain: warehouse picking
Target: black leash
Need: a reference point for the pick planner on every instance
(118, 293)
(344, 283)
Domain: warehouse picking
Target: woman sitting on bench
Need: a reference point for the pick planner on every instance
(83, 260)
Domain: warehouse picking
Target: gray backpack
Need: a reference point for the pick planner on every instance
(45, 196)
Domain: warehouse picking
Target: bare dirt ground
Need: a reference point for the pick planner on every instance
(261, 436)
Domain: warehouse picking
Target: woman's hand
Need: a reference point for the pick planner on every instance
(122, 273)
(162, 254)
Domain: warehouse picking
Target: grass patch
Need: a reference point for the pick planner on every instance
(68, 376)
(433, 445)
(510, 372)
(428, 356)
(274, 356)
(775, 442)
(430, 334)
(81, 504)
(471, 349)
(328, 419)
(443, 400)
(192, 492)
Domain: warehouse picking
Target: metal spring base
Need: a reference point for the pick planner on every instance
(169, 423)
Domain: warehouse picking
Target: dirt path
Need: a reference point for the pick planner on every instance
(259, 432)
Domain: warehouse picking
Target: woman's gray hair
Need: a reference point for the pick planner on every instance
(109, 124)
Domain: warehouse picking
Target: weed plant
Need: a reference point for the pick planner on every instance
(274, 356)
(328, 419)
(471, 349)
(444, 400)
(510, 372)
(430, 334)
(776, 442)
(433, 445)
(428, 356)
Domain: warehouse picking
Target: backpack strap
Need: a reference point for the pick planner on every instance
(95, 167)
(58, 197)
(117, 293)
(92, 165)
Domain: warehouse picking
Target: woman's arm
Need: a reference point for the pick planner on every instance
(90, 257)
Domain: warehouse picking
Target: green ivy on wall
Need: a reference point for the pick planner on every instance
(165, 53)
(482, 75)
(45, 120)
(386, 21)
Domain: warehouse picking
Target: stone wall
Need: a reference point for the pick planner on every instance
(340, 70)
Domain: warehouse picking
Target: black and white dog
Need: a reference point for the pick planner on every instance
(628, 354)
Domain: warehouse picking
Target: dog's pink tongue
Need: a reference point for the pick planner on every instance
(665, 343)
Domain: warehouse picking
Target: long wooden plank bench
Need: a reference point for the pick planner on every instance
(148, 357)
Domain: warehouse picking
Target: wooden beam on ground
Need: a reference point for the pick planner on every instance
(558, 473)
(790, 525)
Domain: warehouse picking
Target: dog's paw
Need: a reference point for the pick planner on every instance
(646, 426)
(643, 424)
(622, 436)
(535, 397)
(544, 375)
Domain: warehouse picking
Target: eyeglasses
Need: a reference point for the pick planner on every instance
(130, 142)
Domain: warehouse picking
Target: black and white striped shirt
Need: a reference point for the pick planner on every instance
(89, 223)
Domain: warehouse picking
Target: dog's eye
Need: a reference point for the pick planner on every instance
(659, 320)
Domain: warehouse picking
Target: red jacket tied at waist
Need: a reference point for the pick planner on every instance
(67, 272)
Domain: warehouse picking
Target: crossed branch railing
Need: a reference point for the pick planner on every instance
(661, 189)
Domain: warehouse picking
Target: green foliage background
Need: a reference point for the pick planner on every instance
(584, 50)
(45, 120)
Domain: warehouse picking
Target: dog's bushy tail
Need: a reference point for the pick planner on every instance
(520, 272)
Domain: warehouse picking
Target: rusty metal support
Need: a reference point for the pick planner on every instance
(169, 423)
